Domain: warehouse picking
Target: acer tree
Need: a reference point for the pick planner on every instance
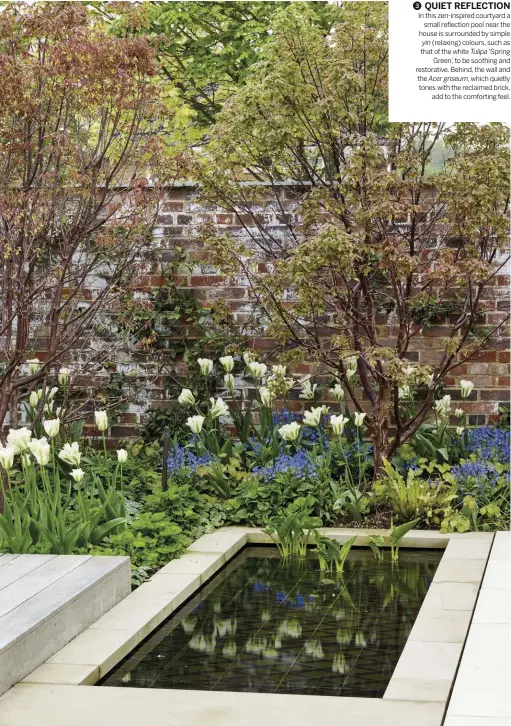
(82, 145)
(388, 223)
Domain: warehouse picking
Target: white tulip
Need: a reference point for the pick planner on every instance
(63, 376)
(351, 367)
(205, 365)
(248, 356)
(19, 439)
(460, 430)
(308, 389)
(404, 391)
(34, 365)
(442, 406)
(7, 457)
(40, 449)
(218, 408)
(325, 409)
(279, 370)
(227, 363)
(48, 408)
(265, 395)
(256, 369)
(195, 423)
(338, 424)
(70, 453)
(101, 419)
(459, 412)
(52, 427)
(290, 431)
(77, 474)
(359, 419)
(186, 398)
(122, 456)
(466, 388)
(33, 399)
(229, 382)
(313, 417)
(52, 393)
(337, 392)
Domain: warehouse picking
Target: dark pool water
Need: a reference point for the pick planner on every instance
(273, 626)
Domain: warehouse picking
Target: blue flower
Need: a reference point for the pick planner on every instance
(185, 459)
(298, 464)
(489, 444)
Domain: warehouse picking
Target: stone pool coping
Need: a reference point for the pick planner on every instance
(417, 692)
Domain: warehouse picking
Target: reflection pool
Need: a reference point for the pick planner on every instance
(269, 625)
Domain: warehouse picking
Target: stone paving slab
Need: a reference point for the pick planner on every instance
(482, 689)
(61, 705)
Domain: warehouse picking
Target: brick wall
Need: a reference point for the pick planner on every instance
(179, 224)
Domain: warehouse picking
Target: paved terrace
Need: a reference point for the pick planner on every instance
(430, 686)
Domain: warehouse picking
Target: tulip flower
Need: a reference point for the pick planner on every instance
(404, 391)
(101, 419)
(337, 392)
(313, 417)
(77, 474)
(40, 450)
(195, 423)
(122, 456)
(186, 398)
(358, 419)
(52, 427)
(63, 376)
(7, 457)
(248, 356)
(291, 431)
(205, 365)
(459, 412)
(218, 408)
(338, 424)
(442, 406)
(70, 453)
(19, 439)
(34, 365)
(279, 370)
(227, 363)
(33, 399)
(52, 393)
(229, 382)
(466, 388)
(265, 395)
(460, 430)
(308, 389)
(256, 369)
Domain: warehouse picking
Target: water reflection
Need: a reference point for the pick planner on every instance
(270, 625)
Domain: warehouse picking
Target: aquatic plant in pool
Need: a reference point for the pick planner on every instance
(269, 625)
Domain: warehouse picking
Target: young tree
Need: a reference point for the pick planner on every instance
(81, 125)
(389, 223)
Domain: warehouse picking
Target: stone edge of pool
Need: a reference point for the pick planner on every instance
(424, 673)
